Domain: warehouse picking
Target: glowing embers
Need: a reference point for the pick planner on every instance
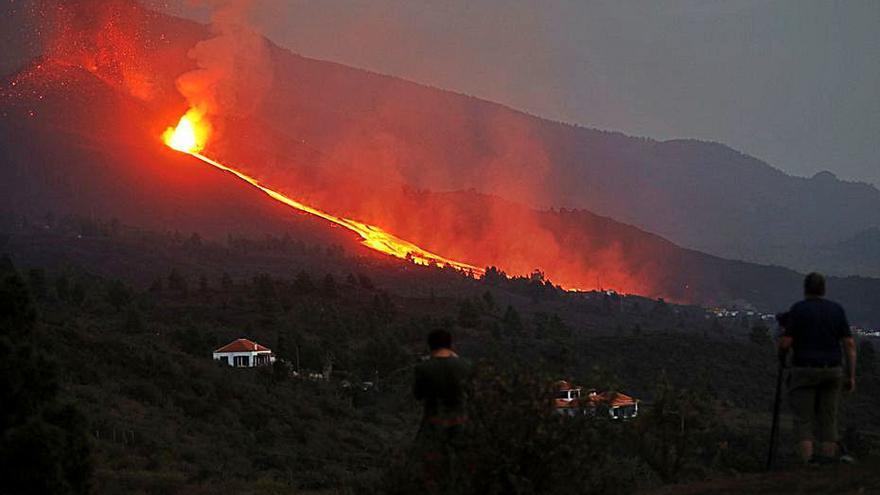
(190, 136)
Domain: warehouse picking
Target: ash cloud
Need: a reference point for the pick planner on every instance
(234, 67)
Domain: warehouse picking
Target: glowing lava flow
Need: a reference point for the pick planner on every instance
(189, 137)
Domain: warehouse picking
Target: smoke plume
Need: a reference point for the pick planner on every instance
(234, 68)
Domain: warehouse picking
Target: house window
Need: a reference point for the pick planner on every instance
(224, 360)
(241, 361)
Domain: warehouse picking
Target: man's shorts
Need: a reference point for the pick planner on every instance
(814, 394)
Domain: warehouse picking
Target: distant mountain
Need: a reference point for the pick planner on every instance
(860, 253)
(701, 195)
(84, 147)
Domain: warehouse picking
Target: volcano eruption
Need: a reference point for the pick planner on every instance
(83, 133)
(189, 137)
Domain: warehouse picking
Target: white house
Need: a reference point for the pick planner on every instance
(244, 353)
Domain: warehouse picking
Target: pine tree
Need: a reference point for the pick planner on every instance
(62, 287)
(512, 323)
(760, 334)
(468, 316)
(44, 445)
(303, 284)
(118, 295)
(226, 282)
(328, 286)
(177, 282)
(489, 300)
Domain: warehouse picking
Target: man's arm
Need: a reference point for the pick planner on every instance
(849, 345)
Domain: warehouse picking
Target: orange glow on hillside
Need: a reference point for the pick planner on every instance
(190, 136)
(191, 133)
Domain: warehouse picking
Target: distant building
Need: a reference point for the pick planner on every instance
(619, 406)
(568, 398)
(244, 353)
(571, 400)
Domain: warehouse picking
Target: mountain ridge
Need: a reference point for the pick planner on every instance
(700, 194)
(355, 175)
(117, 169)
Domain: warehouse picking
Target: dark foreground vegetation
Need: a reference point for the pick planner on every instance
(108, 384)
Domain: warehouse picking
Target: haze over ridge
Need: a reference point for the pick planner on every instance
(782, 81)
(698, 194)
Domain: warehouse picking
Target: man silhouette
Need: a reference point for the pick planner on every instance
(815, 330)
(441, 383)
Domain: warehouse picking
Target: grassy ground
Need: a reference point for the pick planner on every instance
(862, 478)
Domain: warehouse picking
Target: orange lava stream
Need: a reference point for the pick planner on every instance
(372, 236)
(189, 137)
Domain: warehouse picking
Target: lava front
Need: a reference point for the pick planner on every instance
(190, 136)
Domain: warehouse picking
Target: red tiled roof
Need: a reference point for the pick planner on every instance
(243, 345)
(620, 400)
(612, 399)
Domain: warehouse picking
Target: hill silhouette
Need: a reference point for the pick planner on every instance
(78, 141)
(700, 195)
(150, 307)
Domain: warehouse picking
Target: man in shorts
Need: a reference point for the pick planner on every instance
(815, 331)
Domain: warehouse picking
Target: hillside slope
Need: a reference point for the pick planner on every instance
(163, 418)
(85, 147)
(698, 194)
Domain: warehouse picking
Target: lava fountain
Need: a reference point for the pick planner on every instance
(190, 136)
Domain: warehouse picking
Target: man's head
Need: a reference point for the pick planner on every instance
(439, 339)
(814, 285)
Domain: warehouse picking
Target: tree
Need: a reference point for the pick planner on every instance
(264, 288)
(78, 293)
(383, 307)
(489, 300)
(365, 281)
(134, 323)
(760, 334)
(195, 241)
(867, 357)
(225, 282)
(280, 371)
(62, 287)
(44, 446)
(118, 295)
(676, 431)
(302, 283)
(17, 312)
(177, 282)
(493, 276)
(511, 323)
(468, 315)
(382, 355)
(37, 282)
(328, 286)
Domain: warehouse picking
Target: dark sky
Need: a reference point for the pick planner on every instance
(794, 82)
